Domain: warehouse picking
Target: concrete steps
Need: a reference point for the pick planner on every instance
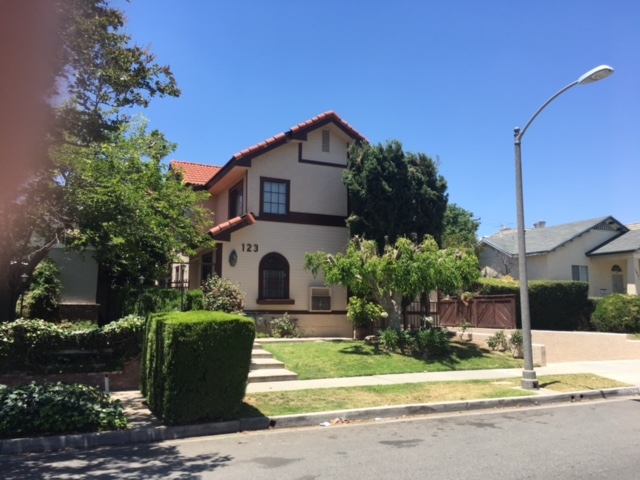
(265, 368)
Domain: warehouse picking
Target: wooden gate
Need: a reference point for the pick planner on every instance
(490, 311)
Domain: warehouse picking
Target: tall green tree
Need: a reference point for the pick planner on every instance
(402, 270)
(460, 228)
(98, 74)
(132, 212)
(394, 194)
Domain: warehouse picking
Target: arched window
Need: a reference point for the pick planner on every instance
(274, 277)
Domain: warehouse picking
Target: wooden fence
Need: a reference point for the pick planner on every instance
(490, 311)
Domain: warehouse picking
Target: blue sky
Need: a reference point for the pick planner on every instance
(448, 78)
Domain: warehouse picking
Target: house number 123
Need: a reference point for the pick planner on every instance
(249, 247)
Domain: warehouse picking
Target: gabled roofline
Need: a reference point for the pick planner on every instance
(298, 132)
(596, 222)
(607, 219)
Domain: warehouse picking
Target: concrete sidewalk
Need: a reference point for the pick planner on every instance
(627, 371)
(144, 427)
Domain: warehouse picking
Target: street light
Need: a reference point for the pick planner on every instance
(529, 380)
(141, 281)
(24, 277)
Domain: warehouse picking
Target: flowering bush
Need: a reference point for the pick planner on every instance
(222, 295)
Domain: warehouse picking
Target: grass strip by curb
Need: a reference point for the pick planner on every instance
(328, 399)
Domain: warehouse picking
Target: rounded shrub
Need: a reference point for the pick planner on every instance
(617, 313)
(50, 409)
(43, 296)
(222, 295)
(362, 313)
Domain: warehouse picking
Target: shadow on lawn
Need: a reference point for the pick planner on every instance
(366, 350)
(546, 384)
(459, 351)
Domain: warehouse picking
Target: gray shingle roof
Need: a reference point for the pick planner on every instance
(629, 242)
(548, 239)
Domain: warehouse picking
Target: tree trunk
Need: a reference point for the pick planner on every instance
(8, 302)
(392, 304)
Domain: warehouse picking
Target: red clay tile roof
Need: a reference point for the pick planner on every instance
(203, 175)
(301, 127)
(194, 173)
(238, 222)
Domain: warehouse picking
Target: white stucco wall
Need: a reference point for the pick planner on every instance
(314, 188)
(291, 241)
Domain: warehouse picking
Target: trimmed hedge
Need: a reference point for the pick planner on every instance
(195, 365)
(553, 305)
(617, 313)
(50, 409)
(36, 346)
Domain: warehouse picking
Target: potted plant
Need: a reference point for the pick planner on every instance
(362, 313)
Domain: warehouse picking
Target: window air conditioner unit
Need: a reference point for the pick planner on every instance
(320, 299)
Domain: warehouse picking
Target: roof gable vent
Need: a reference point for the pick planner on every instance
(325, 140)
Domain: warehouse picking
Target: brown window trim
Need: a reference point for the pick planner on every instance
(267, 216)
(285, 300)
(275, 301)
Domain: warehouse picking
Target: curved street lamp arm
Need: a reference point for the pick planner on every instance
(520, 134)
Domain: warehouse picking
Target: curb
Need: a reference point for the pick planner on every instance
(315, 419)
(156, 434)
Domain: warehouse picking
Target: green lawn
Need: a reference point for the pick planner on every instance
(327, 399)
(311, 360)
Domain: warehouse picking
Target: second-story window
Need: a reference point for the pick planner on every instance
(274, 196)
(236, 200)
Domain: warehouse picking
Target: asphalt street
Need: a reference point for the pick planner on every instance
(588, 439)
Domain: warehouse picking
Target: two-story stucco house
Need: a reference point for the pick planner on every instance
(602, 251)
(272, 203)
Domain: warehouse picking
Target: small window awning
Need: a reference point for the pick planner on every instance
(223, 231)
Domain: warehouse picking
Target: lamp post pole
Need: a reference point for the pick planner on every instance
(529, 379)
(24, 277)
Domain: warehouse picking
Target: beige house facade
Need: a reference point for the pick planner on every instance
(272, 203)
(601, 251)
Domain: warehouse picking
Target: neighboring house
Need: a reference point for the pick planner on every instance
(79, 279)
(602, 251)
(274, 202)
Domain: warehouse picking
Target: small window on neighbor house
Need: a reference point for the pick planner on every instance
(325, 140)
(206, 269)
(579, 273)
(275, 196)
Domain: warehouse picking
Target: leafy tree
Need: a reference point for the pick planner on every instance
(393, 194)
(128, 207)
(402, 270)
(98, 74)
(460, 228)
(43, 297)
